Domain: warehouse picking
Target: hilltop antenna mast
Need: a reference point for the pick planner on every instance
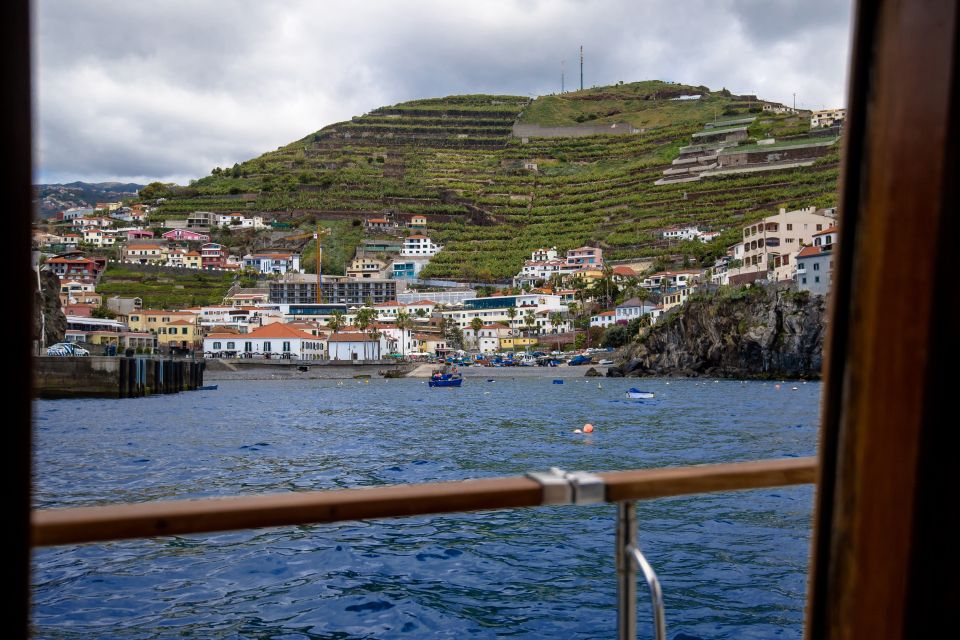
(581, 67)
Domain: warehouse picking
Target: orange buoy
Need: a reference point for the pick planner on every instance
(588, 428)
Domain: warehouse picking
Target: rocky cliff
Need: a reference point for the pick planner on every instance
(48, 317)
(756, 332)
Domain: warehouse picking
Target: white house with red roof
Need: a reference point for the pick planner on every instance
(99, 237)
(488, 337)
(814, 264)
(355, 346)
(271, 341)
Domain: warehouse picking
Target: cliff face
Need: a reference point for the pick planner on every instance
(748, 333)
(48, 316)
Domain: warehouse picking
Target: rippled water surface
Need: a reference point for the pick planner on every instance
(733, 565)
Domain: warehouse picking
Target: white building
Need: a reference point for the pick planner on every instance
(631, 309)
(670, 280)
(272, 341)
(827, 117)
(354, 346)
(419, 245)
(273, 262)
(495, 309)
(99, 237)
(603, 319)
(238, 221)
(681, 233)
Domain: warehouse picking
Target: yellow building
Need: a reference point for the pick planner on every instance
(516, 343)
(172, 328)
(178, 333)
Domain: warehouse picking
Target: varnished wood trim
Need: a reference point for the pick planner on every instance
(886, 334)
(115, 522)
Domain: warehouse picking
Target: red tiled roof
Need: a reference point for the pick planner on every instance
(808, 251)
(350, 337)
(278, 330)
(832, 229)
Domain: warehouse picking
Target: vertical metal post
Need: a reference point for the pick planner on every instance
(629, 558)
(626, 571)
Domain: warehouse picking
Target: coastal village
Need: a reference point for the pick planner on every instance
(560, 300)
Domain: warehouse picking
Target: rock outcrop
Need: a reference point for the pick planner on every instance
(756, 332)
(49, 320)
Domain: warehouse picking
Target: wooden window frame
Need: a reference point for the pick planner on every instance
(885, 559)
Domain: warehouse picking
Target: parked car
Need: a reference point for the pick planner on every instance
(66, 349)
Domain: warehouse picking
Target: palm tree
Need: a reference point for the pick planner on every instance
(337, 322)
(511, 313)
(529, 321)
(364, 319)
(403, 323)
(375, 334)
(556, 319)
(476, 324)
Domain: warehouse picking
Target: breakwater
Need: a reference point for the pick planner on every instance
(114, 377)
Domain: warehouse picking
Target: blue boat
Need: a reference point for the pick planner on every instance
(445, 380)
(636, 394)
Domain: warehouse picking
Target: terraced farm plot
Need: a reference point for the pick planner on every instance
(170, 289)
(454, 160)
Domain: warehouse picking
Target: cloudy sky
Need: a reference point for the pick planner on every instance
(167, 90)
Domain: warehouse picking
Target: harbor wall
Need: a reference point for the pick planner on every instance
(113, 377)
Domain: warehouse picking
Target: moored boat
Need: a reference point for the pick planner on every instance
(445, 379)
(637, 394)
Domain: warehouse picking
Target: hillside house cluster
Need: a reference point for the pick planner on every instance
(545, 263)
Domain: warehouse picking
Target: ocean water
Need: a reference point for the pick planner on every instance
(733, 565)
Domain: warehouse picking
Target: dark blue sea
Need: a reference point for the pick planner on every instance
(733, 565)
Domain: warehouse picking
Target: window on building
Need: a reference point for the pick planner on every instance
(216, 345)
(816, 266)
(248, 347)
(231, 345)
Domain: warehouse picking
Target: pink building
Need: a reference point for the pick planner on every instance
(186, 234)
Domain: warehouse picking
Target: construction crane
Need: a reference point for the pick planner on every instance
(316, 236)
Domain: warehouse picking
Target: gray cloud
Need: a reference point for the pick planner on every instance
(139, 91)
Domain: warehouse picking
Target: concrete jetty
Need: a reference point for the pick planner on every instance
(114, 377)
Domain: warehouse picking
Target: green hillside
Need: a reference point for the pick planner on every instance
(454, 160)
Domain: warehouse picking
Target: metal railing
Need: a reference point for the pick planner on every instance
(117, 522)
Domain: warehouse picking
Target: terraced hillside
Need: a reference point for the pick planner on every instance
(454, 160)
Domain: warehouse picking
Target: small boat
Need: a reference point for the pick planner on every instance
(445, 380)
(606, 361)
(209, 387)
(636, 394)
(558, 381)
